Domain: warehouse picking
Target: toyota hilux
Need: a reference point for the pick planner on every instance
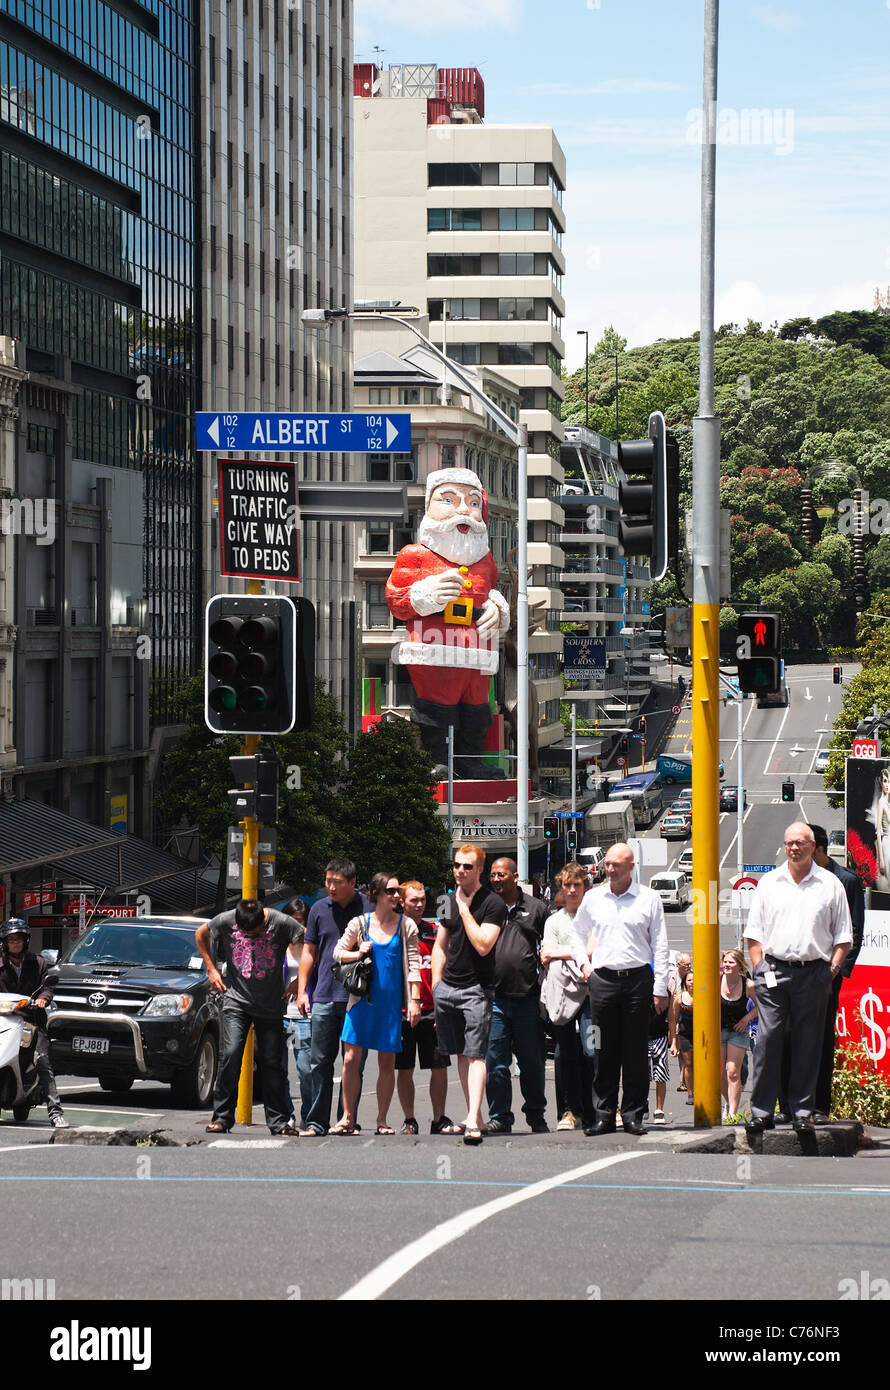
(132, 1000)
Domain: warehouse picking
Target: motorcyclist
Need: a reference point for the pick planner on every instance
(23, 972)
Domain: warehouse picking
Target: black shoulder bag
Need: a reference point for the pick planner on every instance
(356, 975)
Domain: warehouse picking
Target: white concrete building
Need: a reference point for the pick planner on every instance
(464, 221)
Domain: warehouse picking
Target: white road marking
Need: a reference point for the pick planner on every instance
(776, 739)
(15, 1148)
(403, 1261)
(248, 1143)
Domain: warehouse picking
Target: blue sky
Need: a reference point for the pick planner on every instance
(803, 223)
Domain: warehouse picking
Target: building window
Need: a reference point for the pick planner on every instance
(516, 174)
(378, 614)
(522, 263)
(377, 538)
(467, 353)
(516, 354)
(516, 219)
(454, 175)
(409, 395)
(521, 308)
(379, 395)
(458, 309)
(454, 220)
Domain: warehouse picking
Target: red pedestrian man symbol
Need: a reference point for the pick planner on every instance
(760, 633)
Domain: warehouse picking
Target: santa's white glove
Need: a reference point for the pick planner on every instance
(430, 595)
(495, 615)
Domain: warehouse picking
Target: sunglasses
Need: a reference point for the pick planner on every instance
(461, 864)
(393, 892)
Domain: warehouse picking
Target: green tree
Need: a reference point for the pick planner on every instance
(610, 343)
(387, 811)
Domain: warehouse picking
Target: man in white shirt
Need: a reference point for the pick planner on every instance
(798, 933)
(621, 944)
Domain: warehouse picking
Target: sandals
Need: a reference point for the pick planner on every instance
(341, 1128)
(384, 1129)
(216, 1127)
(445, 1126)
(409, 1127)
(473, 1136)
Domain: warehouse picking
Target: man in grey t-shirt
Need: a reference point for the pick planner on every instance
(252, 940)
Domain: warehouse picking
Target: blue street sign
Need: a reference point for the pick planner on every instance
(569, 815)
(291, 434)
(759, 868)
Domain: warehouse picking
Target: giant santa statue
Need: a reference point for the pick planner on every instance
(443, 589)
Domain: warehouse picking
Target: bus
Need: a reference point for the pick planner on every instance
(645, 793)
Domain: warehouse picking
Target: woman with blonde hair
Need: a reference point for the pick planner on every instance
(738, 1009)
(375, 1021)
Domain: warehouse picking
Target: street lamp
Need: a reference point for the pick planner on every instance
(584, 333)
(517, 433)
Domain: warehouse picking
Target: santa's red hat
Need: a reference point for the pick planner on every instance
(464, 476)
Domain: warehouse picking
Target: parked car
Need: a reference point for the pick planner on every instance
(823, 757)
(132, 999)
(676, 826)
(685, 860)
(729, 799)
(672, 888)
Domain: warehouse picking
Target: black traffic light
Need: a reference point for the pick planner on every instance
(572, 839)
(643, 525)
(551, 827)
(259, 655)
(759, 653)
(257, 794)
(787, 791)
(643, 725)
(623, 746)
(837, 675)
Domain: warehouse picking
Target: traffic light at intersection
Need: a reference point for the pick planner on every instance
(643, 525)
(572, 839)
(250, 647)
(787, 791)
(759, 653)
(837, 675)
(551, 827)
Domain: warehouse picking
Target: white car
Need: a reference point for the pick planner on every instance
(684, 863)
(822, 760)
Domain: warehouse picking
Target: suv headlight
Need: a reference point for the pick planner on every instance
(168, 1005)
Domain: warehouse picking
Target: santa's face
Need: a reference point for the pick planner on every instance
(453, 525)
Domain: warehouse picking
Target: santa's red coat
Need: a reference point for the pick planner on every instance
(430, 640)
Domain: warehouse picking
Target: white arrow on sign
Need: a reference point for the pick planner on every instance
(213, 430)
(391, 432)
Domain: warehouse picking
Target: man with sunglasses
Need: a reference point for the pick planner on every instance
(463, 979)
(798, 934)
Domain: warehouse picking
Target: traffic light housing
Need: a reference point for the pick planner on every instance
(624, 746)
(572, 839)
(787, 791)
(643, 528)
(257, 794)
(643, 725)
(759, 653)
(551, 827)
(837, 675)
(259, 664)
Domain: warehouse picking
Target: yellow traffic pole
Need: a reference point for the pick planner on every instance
(706, 862)
(249, 869)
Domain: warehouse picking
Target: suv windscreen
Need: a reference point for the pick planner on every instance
(124, 943)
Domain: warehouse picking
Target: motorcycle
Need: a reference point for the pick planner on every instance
(19, 1081)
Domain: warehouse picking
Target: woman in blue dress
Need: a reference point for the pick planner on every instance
(375, 1022)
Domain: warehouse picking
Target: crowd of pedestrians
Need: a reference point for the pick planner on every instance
(499, 971)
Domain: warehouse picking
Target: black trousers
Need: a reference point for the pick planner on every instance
(797, 1002)
(822, 1094)
(619, 1008)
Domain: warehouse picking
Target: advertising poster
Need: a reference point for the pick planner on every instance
(868, 826)
(864, 1003)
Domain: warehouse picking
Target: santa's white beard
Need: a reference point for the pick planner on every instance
(460, 547)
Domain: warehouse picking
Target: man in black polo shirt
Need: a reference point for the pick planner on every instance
(463, 979)
(516, 1024)
(328, 920)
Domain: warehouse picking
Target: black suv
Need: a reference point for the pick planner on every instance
(132, 999)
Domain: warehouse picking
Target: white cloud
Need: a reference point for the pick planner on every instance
(784, 21)
(422, 16)
(744, 299)
(612, 86)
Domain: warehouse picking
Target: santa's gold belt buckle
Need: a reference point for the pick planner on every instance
(460, 611)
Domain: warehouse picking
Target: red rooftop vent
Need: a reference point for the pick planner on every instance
(364, 79)
(463, 87)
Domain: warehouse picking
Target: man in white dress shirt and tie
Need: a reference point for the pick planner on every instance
(798, 933)
(621, 946)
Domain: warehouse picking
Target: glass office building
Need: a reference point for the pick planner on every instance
(98, 269)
